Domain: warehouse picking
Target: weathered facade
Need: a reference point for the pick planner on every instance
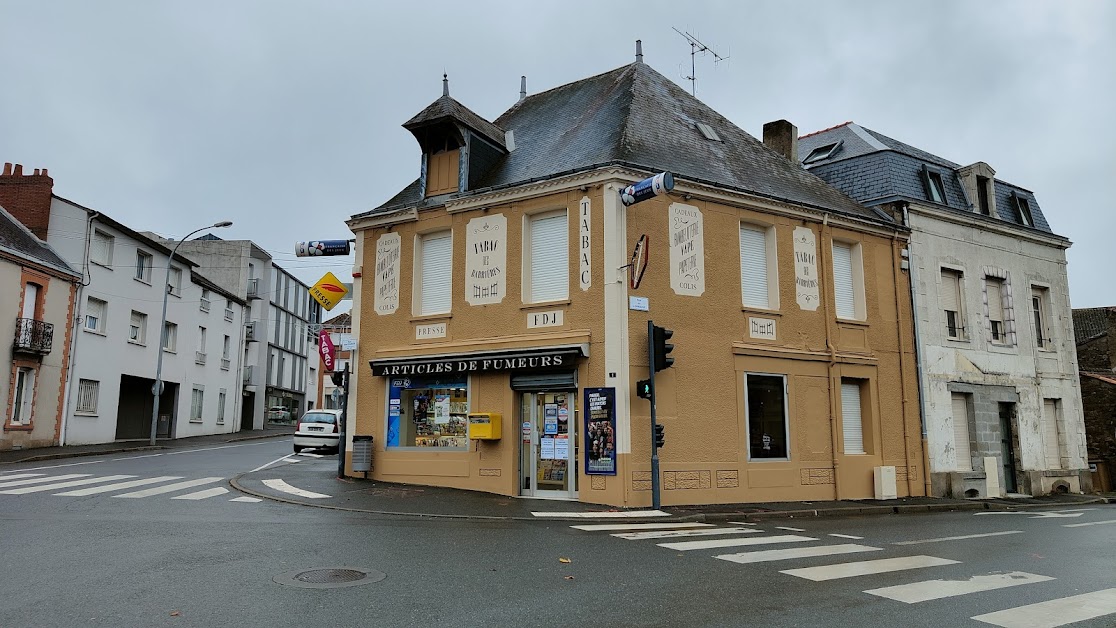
(1095, 329)
(502, 281)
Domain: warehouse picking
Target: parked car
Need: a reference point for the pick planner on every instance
(278, 413)
(318, 429)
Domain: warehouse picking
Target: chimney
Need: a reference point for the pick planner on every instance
(27, 197)
(782, 137)
(639, 51)
(522, 87)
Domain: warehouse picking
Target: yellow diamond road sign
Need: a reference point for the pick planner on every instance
(329, 291)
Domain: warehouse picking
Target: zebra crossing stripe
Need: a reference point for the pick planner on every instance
(764, 556)
(245, 499)
(17, 476)
(711, 543)
(119, 486)
(667, 534)
(867, 567)
(56, 478)
(280, 485)
(1059, 612)
(602, 514)
(169, 488)
(203, 494)
(605, 527)
(938, 589)
(23, 490)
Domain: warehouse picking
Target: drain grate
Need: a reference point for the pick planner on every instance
(329, 577)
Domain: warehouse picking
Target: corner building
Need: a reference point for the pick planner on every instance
(499, 282)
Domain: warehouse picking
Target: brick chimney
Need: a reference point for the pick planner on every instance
(27, 197)
(782, 137)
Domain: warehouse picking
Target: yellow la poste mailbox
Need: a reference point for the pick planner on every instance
(484, 425)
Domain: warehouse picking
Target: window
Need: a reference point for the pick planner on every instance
(170, 337)
(848, 281)
(137, 328)
(204, 303)
(435, 273)
(200, 357)
(441, 171)
(1051, 433)
(548, 264)
(852, 425)
(197, 399)
(228, 310)
(24, 396)
(87, 396)
(994, 289)
(822, 152)
(1023, 210)
(984, 196)
(758, 284)
(765, 400)
(428, 412)
(961, 431)
(100, 251)
(1039, 300)
(143, 266)
(174, 282)
(951, 304)
(32, 292)
(222, 395)
(932, 182)
(225, 346)
(707, 132)
(95, 312)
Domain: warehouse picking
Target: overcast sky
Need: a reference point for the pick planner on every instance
(284, 117)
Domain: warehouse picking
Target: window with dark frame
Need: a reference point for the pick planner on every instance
(767, 416)
(934, 186)
(821, 153)
(994, 287)
(1023, 210)
(1039, 299)
(951, 304)
(982, 196)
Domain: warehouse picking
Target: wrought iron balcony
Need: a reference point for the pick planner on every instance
(32, 336)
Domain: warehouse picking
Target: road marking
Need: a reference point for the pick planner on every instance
(169, 488)
(604, 514)
(958, 538)
(280, 485)
(666, 534)
(136, 457)
(1060, 612)
(50, 487)
(1052, 514)
(262, 467)
(938, 589)
(310, 455)
(59, 466)
(602, 527)
(245, 499)
(17, 476)
(190, 451)
(42, 480)
(788, 529)
(1091, 523)
(848, 536)
(203, 494)
(711, 543)
(796, 552)
(82, 492)
(743, 523)
(867, 567)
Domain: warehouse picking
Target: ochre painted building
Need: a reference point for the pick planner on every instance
(501, 281)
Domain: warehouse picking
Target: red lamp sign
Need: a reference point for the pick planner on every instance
(328, 351)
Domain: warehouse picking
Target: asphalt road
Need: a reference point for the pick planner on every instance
(102, 559)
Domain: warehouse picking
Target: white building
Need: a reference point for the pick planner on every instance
(998, 364)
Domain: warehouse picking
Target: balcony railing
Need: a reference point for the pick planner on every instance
(254, 288)
(33, 336)
(246, 377)
(224, 364)
(199, 357)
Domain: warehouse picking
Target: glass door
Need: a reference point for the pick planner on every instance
(548, 463)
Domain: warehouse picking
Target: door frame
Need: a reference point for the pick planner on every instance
(530, 401)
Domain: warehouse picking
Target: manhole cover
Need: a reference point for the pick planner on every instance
(329, 577)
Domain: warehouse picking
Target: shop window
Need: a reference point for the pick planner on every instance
(548, 264)
(24, 396)
(435, 273)
(766, 402)
(848, 280)
(758, 275)
(88, 391)
(951, 304)
(961, 432)
(428, 412)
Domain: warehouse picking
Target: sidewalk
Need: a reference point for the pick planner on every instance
(314, 483)
(53, 453)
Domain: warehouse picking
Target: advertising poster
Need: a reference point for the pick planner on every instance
(441, 409)
(550, 418)
(600, 431)
(547, 449)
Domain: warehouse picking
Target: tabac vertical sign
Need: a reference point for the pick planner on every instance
(328, 291)
(805, 269)
(327, 350)
(585, 251)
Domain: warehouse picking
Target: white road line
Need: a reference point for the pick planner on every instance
(43, 480)
(711, 543)
(245, 499)
(604, 514)
(796, 552)
(958, 538)
(280, 485)
(137, 457)
(667, 534)
(50, 487)
(262, 467)
(82, 492)
(1060, 612)
(169, 488)
(789, 529)
(59, 466)
(203, 494)
(602, 527)
(1091, 523)
(302, 453)
(938, 589)
(848, 536)
(743, 523)
(17, 476)
(867, 567)
(190, 451)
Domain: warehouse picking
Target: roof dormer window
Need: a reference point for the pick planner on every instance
(984, 195)
(935, 187)
(1023, 210)
(822, 153)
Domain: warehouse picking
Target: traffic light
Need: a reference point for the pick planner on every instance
(659, 437)
(643, 388)
(662, 348)
(338, 378)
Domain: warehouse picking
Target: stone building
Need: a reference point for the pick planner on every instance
(1095, 329)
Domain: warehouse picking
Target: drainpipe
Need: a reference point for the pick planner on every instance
(918, 350)
(85, 281)
(830, 332)
(896, 256)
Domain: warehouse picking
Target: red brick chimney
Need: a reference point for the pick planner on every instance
(27, 197)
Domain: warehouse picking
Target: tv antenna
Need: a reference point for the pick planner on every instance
(696, 47)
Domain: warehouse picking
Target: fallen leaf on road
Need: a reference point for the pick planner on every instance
(175, 613)
(569, 577)
(564, 560)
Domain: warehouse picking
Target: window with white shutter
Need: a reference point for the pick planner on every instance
(754, 279)
(436, 273)
(1051, 447)
(100, 250)
(951, 304)
(221, 397)
(95, 311)
(844, 280)
(852, 426)
(549, 258)
(994, 289)
(961, 432)
(88, 390)
(197, 401)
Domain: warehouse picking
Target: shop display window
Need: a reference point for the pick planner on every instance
(765, 396)
(428, 412)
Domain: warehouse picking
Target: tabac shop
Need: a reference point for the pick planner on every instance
(508, 414)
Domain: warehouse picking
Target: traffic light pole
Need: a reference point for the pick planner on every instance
(344, 420)
(654, 444)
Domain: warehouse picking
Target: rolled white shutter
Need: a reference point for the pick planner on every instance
(961, 433)
(550, 258)
(437, 273)
(753, 266)
(995, 300)
(843, 280)
(950, 291)
(1051, 450)
(101, 249)
(851, 424)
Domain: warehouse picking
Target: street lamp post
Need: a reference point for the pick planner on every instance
(157, 389)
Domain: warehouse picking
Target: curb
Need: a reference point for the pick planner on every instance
(121, 450)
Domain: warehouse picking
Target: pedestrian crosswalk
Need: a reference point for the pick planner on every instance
(775, 546)
(116, 485)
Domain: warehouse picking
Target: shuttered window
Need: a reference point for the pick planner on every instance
(995, 292)
(753, 266)
(844, 291)
(951, 303)
(961, 432)
(852, 425)
(1052, 450)
(550, 258)
(436, 273)
(87, 395)
(100, 251)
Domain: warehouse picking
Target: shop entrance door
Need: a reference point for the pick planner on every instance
(547, 458)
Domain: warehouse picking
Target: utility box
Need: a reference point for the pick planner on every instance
(362, 453)
(884, 482)
(485, 425)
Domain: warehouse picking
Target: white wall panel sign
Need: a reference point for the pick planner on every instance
(387, 273)
(806, 269)
(486, 259)
(550, 318)
(584, 248)
(433, 330)
(763, 328)
(687, 250)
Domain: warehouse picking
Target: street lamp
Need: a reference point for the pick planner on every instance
(157, 389)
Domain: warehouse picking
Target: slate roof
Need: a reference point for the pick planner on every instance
(17, 240)
(1090, 322)
(637, 117)
(447, 108)
(874, 168)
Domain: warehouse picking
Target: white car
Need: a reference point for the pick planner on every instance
(278, 413)
(318, 429)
